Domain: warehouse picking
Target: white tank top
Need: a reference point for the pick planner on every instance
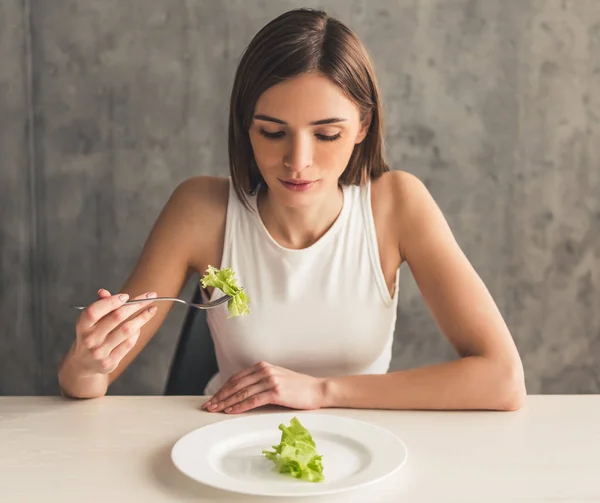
(324, 310)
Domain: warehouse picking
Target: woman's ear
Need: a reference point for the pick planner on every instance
(364, 127)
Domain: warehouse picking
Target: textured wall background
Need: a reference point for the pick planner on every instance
(105, 106)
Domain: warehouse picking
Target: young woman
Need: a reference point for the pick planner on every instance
(315, 227)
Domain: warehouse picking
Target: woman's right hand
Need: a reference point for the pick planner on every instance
(107, 330)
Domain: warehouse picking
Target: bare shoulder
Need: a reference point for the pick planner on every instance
(400, 189)
(202, 200)
(208, 193)
(408, 207)
(198, 207)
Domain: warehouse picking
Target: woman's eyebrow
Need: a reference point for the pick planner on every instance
(321, 122)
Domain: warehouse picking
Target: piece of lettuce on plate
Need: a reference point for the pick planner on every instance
(296, 454)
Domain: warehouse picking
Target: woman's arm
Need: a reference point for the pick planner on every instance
(186, 237)
(489, 372)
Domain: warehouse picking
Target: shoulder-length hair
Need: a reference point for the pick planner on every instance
(297, 42)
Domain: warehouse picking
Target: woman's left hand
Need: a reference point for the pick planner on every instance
(264, 384)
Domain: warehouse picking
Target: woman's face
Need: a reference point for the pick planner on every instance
(303, 133)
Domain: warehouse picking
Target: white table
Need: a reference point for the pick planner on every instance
(117, 449)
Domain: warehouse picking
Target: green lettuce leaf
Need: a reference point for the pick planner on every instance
(224, 280)
(296, 453)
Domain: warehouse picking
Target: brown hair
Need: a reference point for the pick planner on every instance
(296, 42)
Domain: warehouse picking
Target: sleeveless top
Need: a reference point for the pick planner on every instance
(324, 310)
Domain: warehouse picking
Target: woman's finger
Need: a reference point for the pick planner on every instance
(240, 380)
(99, 309)
(113, 319)
(241, 395)
(259, 370)
(127, 330)
(250, 370)
(229, 389)
(111, 362)
(258, 400)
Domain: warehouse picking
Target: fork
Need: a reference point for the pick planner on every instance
(207, 305)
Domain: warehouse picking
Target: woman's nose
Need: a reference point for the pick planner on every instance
(300, 155)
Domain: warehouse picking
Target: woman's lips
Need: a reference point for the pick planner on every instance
(298, 185)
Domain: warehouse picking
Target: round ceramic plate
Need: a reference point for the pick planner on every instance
(228, 454)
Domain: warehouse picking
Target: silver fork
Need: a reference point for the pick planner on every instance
(207, 305)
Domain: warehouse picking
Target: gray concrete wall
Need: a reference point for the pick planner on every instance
(105, 106)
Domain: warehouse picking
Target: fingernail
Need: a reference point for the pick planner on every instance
(152, 309)
(228, 409)
(212, 406)
(123, 298)
(151, 295)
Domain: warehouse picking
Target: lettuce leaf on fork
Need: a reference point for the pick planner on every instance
(296, 453)
(224, 280)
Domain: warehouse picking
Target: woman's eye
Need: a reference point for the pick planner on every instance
(324, 137)
(272, 136)
(280, 134)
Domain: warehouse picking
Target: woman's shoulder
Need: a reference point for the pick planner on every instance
(401, 193)
(403, 205)
(201, 199)
(198, 207)
(207, 193)
(394, 193)
(396, 186)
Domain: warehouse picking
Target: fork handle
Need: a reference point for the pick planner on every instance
(174, 299)
(135, 301)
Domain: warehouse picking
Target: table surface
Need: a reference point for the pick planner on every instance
(118, 448)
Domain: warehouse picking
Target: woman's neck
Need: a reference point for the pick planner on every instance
(298, 228)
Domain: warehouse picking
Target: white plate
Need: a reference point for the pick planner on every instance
(228, 454)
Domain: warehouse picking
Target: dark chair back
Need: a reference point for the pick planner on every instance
(194, 362)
